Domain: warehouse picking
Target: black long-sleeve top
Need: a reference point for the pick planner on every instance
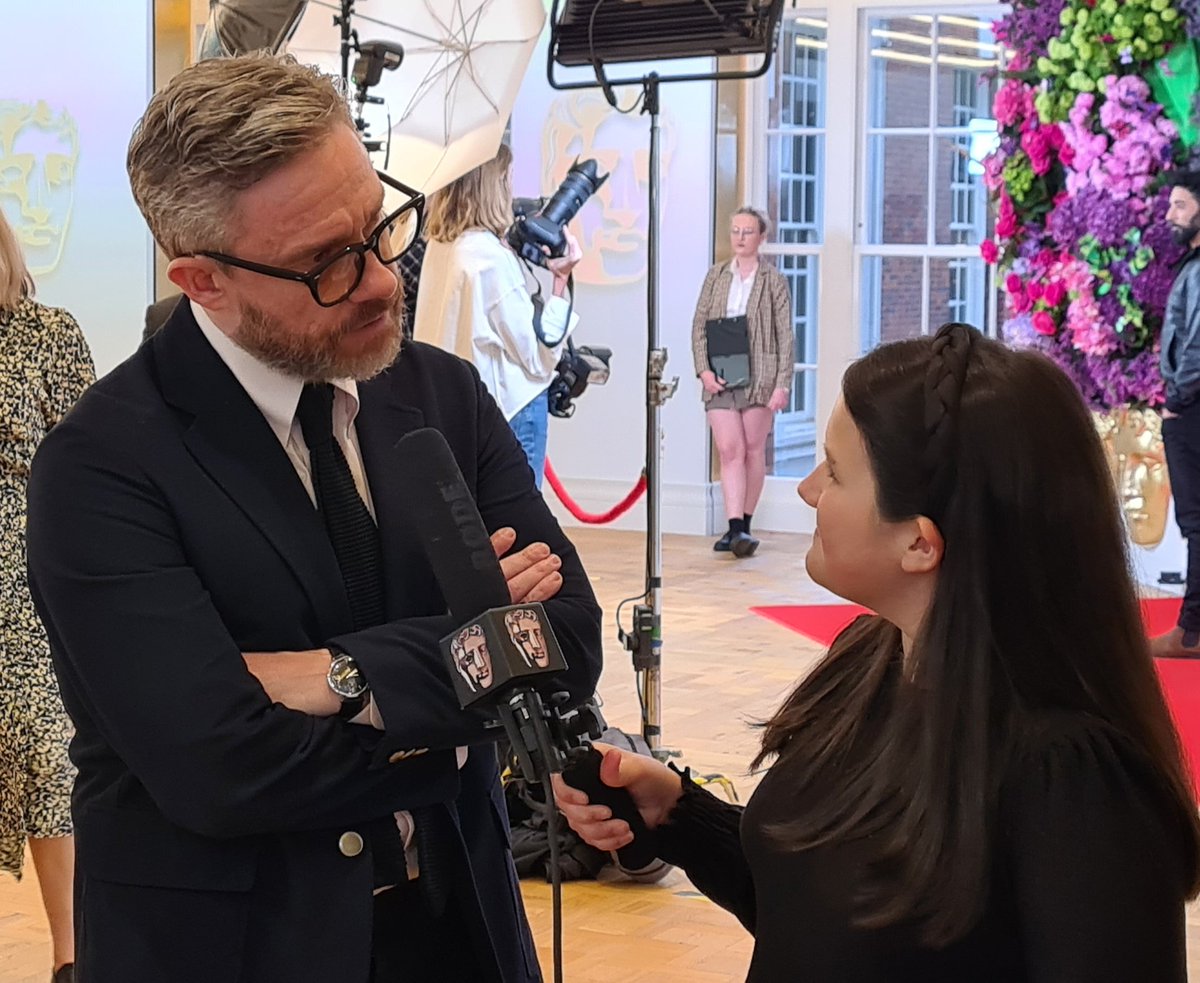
(1087, 882)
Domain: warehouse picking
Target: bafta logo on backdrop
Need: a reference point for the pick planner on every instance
(39, 148)
(613, 236)
(1133, 444)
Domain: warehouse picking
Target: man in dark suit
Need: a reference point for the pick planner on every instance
(276, 783)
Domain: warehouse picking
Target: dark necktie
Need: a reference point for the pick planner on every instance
(352, 531)
(355, 539)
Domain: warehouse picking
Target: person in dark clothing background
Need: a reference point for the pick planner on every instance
(981, 783)
(1180, 363)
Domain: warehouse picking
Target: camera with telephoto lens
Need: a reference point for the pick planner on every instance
(577, 369)
(543, 230)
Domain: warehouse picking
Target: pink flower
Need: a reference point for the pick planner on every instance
(989, 251)
(1012, 283)
(1054, 294)
(1013, 103)
(1006, 221)
(1043, 323)
(1035, 291)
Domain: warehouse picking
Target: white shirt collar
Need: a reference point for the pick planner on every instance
(733, 268)
(275, 393)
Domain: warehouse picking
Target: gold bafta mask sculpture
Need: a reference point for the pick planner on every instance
(611, 230)
(39, 148)
(1133, 444)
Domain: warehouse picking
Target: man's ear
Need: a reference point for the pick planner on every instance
(923, 553)
(198, 277)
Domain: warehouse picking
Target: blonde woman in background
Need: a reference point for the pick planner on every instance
(474, 301)
(741, 418)
(45, 366)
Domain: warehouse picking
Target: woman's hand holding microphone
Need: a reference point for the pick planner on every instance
(653, 786)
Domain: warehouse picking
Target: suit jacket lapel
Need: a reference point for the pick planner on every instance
(232, 442)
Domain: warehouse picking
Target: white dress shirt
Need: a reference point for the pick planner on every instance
(474, 302)
(739, 291)
(277, 395)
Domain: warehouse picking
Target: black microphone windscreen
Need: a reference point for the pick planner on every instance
(449, 525)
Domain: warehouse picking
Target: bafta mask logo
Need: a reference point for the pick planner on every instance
(471, 657)
(1133, 444)
(39, 148)
(612, 227)
(525, 630)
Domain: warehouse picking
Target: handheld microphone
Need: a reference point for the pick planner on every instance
(501, 651)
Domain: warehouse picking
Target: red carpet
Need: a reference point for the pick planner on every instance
(1180, 678)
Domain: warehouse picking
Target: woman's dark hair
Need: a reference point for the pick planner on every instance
(1034, 612)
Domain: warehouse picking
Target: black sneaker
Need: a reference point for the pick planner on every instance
(64, 974)
(743, 545)
(722, 544)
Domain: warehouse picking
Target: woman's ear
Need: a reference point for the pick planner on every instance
(923, 554)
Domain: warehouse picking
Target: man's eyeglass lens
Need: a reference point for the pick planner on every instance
(336, 282)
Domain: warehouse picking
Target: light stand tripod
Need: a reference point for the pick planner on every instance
(635, 31)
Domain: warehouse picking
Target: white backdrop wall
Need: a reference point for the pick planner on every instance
(69, 98)
(600, 451)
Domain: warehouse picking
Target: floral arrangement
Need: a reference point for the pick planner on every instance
(1095, 104)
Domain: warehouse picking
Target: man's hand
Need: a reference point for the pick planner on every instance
(298, 680)
(532, 574)
(1167, 414)
(778, 401)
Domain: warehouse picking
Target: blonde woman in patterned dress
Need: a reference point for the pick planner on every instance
(44, 367)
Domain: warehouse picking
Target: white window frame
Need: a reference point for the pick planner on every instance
(839, 258)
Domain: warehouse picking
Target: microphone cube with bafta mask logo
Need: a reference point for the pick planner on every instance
(502, 646)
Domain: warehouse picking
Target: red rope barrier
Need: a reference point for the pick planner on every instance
(615, 512)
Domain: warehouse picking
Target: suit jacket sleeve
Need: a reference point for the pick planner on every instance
(144, 654)
(781, 323)
(402, 660)
(1186, 380)
(699, 338)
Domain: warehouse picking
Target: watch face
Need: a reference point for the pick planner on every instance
(345, 679)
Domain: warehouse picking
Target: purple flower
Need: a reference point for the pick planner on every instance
(1190, 9)
(1030, 26)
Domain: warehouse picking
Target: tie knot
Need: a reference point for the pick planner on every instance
(315, 413)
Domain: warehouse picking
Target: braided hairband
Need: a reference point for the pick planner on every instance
(944, 380)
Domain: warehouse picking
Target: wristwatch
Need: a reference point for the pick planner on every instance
(348, 683)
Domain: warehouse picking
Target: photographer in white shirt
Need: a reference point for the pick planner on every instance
(474, 300)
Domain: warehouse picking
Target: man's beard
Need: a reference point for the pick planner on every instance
(1184, 234)
(316, 358)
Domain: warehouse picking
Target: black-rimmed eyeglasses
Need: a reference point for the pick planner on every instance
(336, 278)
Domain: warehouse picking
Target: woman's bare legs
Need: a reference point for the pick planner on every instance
(54, 861)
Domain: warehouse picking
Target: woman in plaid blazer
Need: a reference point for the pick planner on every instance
(741, 417)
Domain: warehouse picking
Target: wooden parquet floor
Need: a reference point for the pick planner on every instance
(723, 669)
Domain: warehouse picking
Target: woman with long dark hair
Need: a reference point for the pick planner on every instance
(981, 782)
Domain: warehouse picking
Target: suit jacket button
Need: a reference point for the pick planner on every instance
(351, 844)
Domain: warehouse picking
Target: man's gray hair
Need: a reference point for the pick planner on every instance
(215, 129)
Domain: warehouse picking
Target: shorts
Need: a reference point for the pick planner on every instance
(731, 399)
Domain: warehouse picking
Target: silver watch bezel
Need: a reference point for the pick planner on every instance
(345, 679)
